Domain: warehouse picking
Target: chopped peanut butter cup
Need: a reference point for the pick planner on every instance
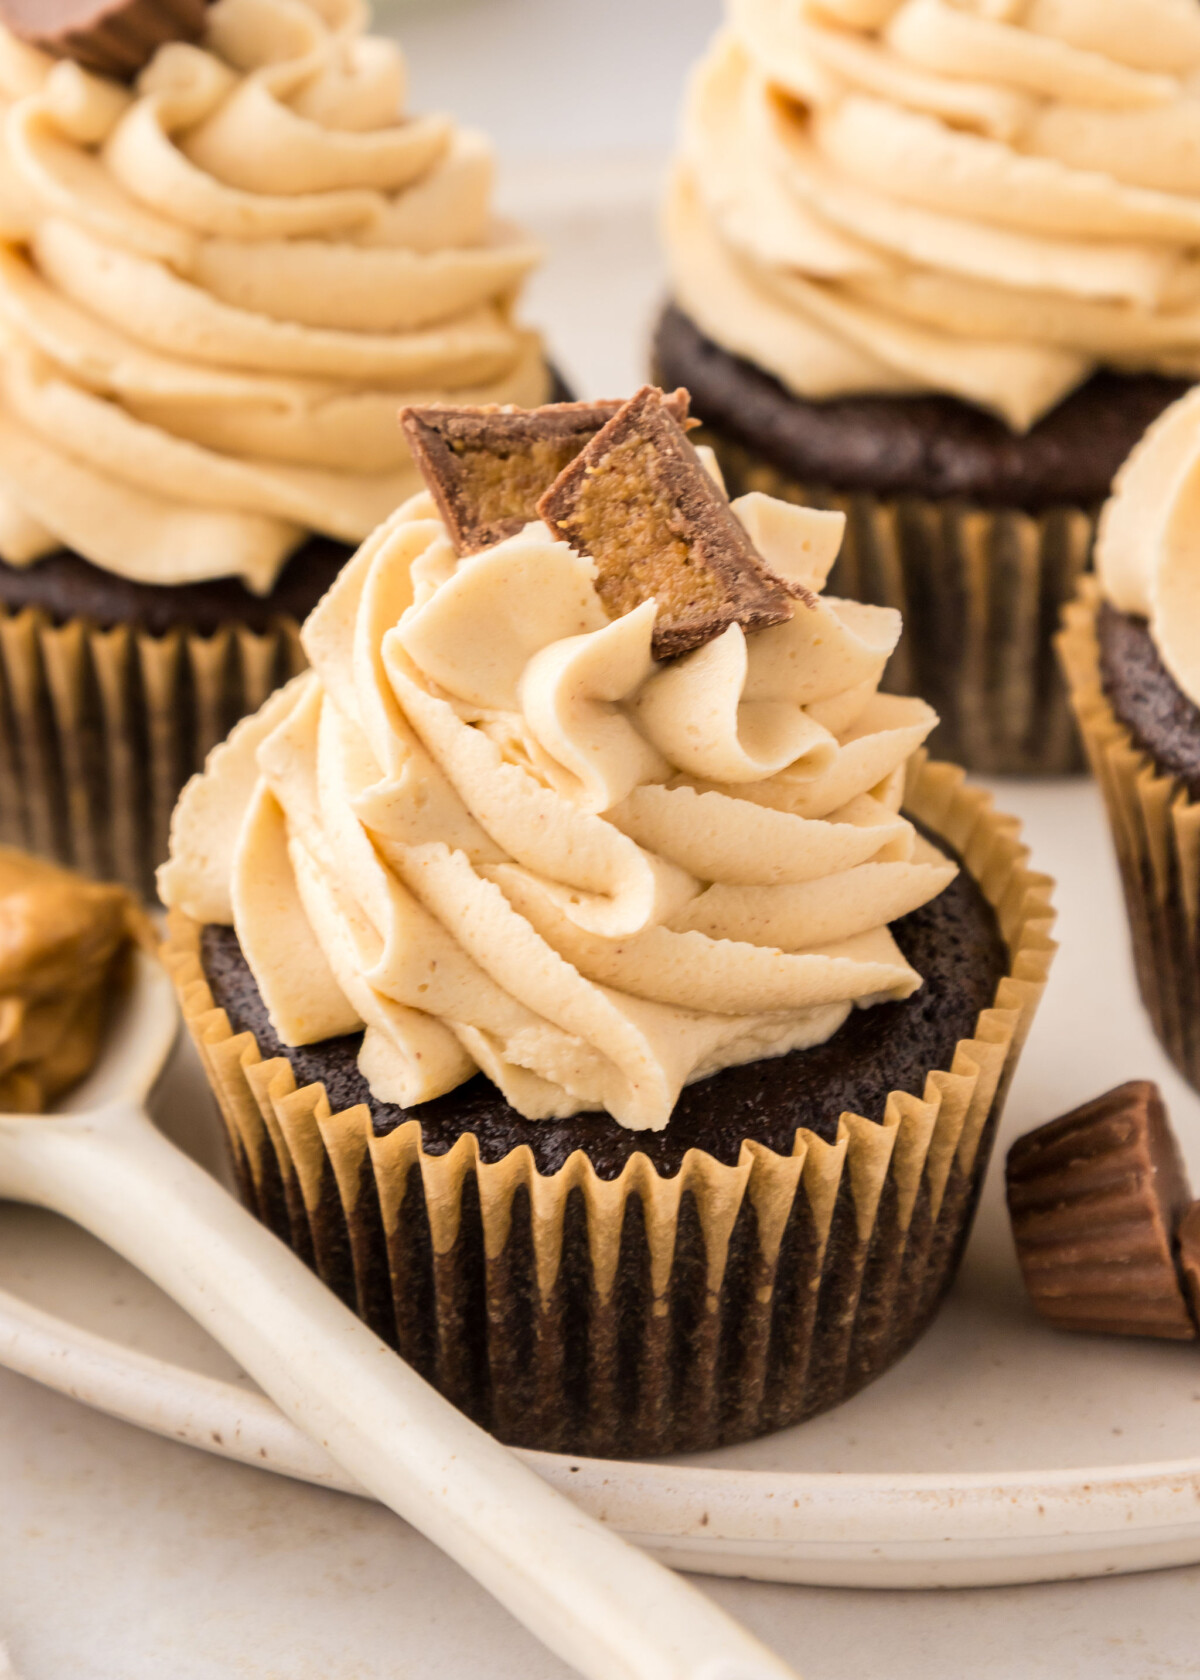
(112, 39)
(639, 502)
(486, 468)
(1188, 1237)
(1095, 1198)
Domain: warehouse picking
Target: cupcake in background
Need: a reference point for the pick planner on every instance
(1130, 648)
(220, 281)
(934, 263)
(600, 989)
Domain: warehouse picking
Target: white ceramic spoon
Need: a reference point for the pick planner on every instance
(606, 1608)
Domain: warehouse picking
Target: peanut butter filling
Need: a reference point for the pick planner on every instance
(507, 486)
(64, 943)
(628, 522)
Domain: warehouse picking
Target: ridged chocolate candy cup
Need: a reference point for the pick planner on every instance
(114, 38)
(1095, 1198)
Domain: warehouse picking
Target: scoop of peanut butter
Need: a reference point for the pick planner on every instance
(64, 945)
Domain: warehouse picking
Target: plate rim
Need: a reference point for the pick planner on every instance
(844, 1528)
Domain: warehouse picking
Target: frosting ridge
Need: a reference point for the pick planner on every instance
(512, 844)
(1148, 540)
(217, 289)
(984, 200)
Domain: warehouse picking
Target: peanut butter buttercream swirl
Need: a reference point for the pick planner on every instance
(217, 289)
(1148, 541)
(491, 830)
(988, 198)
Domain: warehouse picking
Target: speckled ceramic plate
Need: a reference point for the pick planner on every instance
(997, 1451)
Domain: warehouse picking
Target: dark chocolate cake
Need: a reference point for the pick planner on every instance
(935, 447)
(66, 586)
(1146, 698)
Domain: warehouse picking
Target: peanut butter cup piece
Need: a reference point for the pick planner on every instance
(114, 39)
(1188, 1238)
(1095, 1198)
(487, 467)
(638, 501)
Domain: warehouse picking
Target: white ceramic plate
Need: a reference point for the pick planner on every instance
(997, 1451)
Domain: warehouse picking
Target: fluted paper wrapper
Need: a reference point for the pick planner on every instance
(1156, 830)
(646, 1314)
(980, 591)
(100, 729)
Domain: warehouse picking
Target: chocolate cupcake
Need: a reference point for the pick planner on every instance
(929, 267)
(595, 1021)
(221, 281)
(1130, 648)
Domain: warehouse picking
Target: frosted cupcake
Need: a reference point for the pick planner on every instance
(1131, 651)
(933, 263)
(579, 998)
(219, 284)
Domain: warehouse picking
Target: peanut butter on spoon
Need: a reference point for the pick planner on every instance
(64, 943)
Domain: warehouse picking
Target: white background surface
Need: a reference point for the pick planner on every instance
(554, 77)
(124, 1557)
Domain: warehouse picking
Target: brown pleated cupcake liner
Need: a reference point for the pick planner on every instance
(646, 1314)
(980, 591)
(1156, 830)
(100, 729)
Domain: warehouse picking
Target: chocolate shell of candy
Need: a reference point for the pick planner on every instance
(1095, 1199)
(115, 39)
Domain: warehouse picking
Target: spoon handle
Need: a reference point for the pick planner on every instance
(601, 1605)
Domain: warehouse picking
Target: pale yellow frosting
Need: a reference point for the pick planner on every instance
(1148, 542)
(217, 289)
(491, 830)
(988, 198)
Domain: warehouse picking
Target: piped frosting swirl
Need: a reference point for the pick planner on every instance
(987, 198)
(491, 830)
(218, 288)
(1148, 541)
